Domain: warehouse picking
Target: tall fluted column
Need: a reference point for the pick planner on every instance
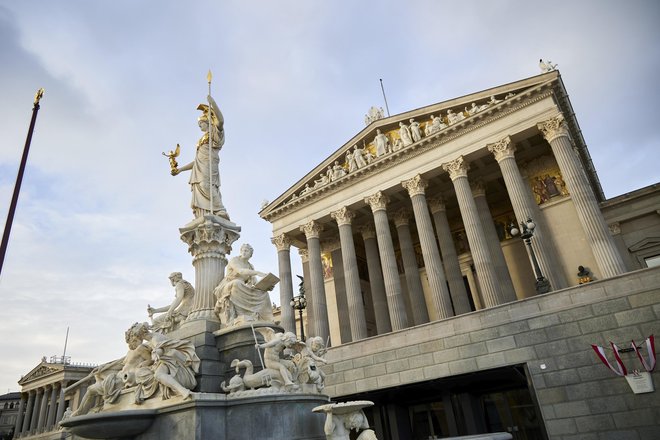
(288, 317)
(27, 421)
(50, 420)
(493, 242)
(307, 285)
(208, 243)
(483, 263)
(459, 295)
(344, 218)
(603, 246)
(320, 325)
(410, 268)
(524, 207)
(60, 404)
(416, 188)
(395, 303)
(19, 418)
(376, 283)
(42, 412)
(36, 408)
(333, 248)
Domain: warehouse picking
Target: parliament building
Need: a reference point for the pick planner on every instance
(461, 259)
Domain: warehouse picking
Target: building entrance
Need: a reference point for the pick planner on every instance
(498, 400)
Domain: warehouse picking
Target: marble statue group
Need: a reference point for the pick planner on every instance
(390, 142)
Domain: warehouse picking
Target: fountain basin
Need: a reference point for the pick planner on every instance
(120, 425)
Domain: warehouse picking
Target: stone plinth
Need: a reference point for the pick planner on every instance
(211, 416)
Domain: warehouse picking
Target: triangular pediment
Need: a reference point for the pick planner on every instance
(457, 116)
(647, 243)
(41, 370)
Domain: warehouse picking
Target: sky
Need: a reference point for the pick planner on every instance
(95, 234)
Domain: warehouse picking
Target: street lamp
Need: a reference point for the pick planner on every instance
(527, 228)
(300, 303)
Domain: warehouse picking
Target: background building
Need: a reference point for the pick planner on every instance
(42, 398)
(433, 305)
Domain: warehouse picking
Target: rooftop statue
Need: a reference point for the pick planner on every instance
(415, 130)
(546, 66)
(381, 142)
(177, 312)
(240, 298)
(342, 418)
(405, 135)
(374, 114)
(205, 176)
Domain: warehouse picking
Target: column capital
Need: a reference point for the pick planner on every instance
(456, 168)
(478, 188)
(377, 202)
(502, 149)
(554, 128)
(415, 186)
(401, 217)
(281, 242)
(343, 216)
(304, 254)
(437, 204)
(312, 229)
(367, 231)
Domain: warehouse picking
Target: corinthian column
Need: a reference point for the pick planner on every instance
(208, 243)
(459, 295)
(35, 409)
(483, 263)
(320, 325)
(410, 268)
(493, 242)
(27, 420)
(376, 284)
(283, 246)
(19, 418)
(41, 421)
(556, 133)
(344, 217)
(50, 420)
(396, 305)
(524, 207)
(439, 293)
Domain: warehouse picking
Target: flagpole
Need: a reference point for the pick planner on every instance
(19, 179)
(384, 97)
(209, 76)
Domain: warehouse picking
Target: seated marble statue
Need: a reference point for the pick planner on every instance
(238, 299)
(112, 377)
(177, 312)
(171, 369)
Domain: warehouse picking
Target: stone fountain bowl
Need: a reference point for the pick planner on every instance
(119, 425)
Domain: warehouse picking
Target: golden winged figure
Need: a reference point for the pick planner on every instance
(172, 155)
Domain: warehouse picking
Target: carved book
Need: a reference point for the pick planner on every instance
(267, 283)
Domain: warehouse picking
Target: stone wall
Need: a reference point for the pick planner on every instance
(578, 396)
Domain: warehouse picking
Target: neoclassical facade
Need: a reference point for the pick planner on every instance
(436, 310)
(43, 400)
(409, 221)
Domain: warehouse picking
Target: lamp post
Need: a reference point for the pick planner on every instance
(526, 233)
(299, 303)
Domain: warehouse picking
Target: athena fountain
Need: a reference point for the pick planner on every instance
(212, 364)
